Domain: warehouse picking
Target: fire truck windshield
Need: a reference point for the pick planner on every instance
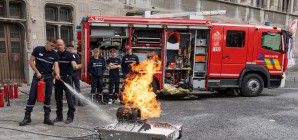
(271, 41)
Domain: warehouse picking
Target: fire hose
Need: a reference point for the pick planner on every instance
(49, 135)
(28, 93)
(173, 37)
(8, 98)
(23, 91)
(94, 134)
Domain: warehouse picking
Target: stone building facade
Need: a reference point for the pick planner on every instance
(25, 24)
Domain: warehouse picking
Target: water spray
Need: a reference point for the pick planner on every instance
(104, 115)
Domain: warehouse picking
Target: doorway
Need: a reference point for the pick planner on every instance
(11, 54)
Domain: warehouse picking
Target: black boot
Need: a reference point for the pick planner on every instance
(27, 119)
(68, 120)
(47, 119)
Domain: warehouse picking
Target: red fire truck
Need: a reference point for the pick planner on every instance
(199, 55)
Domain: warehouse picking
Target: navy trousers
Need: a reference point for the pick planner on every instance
(59, 88)
(96, 83)
(33, 93)
(113, 83)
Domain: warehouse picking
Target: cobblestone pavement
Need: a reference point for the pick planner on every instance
(86, 118)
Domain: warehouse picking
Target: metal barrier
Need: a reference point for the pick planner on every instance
(292, 74)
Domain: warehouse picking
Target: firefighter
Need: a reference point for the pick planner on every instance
(66, 61)
(127, 60)
(42, 61)
(96, 68)
(75, 77)
(114, 77)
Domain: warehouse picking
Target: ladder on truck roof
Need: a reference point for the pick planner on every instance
(189, 15)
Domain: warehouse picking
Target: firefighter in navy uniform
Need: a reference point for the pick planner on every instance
(45, 58)
(126, 62)
(128, 59)
(75, 77)
(96, 68)
(66, 61)
(114, 64)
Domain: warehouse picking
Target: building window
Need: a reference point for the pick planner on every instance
(243, 1)
(52, 31)
(235, 39)
(66, 34)
(1, 9)
(15, 40)
(285, 5)
(51, 14)
(65, 14)
(15, 10)
(2, 39)
(59, 22)
(261, 3)
(2, 47)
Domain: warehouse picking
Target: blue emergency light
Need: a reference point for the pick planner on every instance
(84, 19)
(267, 23)
(78, 27)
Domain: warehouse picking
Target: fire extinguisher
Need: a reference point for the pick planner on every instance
(41, 88)
(11, 91)
(5, 88)
(15, 90)
(1, 97)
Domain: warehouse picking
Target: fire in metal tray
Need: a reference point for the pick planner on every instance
(138, 107)
(130, 126)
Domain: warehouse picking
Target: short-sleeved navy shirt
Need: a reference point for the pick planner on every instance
(114, 73)
(65, 63)
(44, 60)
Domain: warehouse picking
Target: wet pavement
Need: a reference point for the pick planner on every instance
(86, 119)
(273, 115)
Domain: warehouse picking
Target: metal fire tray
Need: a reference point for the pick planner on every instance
(140, 130)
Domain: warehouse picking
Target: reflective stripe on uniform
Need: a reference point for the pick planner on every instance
(129, 61)
(64, 61)
(30, 105)
(40, 59)
(47, 105)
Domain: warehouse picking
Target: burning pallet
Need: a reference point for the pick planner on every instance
(138, 107)
(130, 126)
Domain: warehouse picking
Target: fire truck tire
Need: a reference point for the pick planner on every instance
(154, 87)
(252, 85)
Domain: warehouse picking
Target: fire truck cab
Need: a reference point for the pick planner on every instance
(196, 55)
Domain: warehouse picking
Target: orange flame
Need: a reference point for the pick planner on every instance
(138, 92)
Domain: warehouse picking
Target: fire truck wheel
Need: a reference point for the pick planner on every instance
(252, 85)
(154, 87)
